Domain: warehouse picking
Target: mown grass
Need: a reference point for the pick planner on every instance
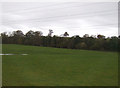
(44, 66)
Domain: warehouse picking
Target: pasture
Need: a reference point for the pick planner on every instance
(45, 66)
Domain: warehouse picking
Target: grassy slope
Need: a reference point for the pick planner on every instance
(58, 67)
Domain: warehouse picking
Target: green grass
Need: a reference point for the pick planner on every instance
(44, 66)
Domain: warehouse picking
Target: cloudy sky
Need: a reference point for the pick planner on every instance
(77, 18)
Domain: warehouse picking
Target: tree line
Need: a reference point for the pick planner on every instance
(36, 38)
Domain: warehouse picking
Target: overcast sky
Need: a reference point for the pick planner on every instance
(77, 18)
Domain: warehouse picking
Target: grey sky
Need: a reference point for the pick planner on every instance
(77, 18)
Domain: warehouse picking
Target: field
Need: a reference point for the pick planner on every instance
(45, 66)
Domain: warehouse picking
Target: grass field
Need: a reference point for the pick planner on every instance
(45, 66)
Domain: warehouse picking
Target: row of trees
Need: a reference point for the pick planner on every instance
(75, 42)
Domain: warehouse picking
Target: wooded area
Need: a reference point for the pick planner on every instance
(75, 42)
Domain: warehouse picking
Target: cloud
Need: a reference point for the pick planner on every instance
(75, 18)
